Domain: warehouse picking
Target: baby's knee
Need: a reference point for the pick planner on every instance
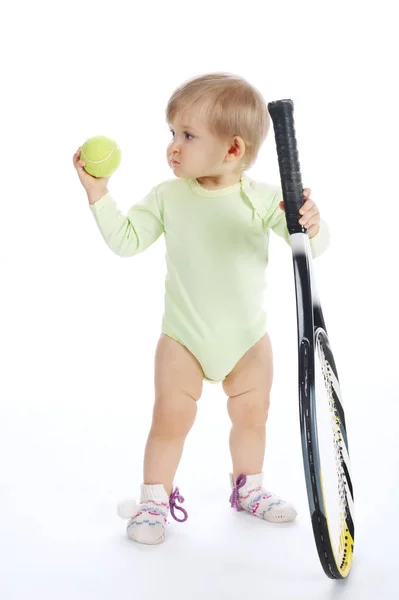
(249, 410)
(174, 414)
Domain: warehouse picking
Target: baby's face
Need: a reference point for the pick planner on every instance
(196, 151)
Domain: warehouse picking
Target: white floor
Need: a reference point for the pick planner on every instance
(64, 470)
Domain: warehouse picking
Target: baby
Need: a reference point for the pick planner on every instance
(217, 223)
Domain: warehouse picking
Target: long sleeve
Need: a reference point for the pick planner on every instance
(131, 234)
(275, 220)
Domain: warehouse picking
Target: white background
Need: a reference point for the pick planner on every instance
(79, 325)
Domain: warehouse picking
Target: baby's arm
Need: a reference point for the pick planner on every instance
(131, 234)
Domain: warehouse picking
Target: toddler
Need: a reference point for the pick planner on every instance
(216, 221)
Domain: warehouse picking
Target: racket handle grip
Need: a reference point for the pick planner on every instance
(282, 115)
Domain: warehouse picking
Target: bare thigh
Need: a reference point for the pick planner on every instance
(176, 369)
(248, 385)
(178, 386)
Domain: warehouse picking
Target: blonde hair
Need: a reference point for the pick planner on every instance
(228, 105)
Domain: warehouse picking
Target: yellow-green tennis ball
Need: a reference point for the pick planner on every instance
(101, 156)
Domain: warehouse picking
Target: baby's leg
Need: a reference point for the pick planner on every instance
(178, 386)
(248, 388)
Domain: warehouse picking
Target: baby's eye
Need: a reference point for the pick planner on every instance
(185, 134)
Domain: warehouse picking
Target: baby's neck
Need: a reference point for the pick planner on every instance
(219, 181)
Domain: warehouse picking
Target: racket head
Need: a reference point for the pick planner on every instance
(323, 429)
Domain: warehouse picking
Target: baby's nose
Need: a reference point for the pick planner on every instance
(175, 145)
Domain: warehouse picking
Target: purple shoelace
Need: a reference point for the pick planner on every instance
(241, 481)
(172, 504)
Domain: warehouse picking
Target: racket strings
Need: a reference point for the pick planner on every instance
(338, 442)
(336, 428)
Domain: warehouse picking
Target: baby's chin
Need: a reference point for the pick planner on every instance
(179, 171)
(175, 168)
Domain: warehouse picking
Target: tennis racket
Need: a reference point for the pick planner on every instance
(322, 419)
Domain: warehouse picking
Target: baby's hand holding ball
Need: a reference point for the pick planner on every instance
(95, 162)
(101, 156)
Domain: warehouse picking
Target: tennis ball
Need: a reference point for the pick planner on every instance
(101, 156)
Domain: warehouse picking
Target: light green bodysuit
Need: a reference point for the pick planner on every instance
(216, 255)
